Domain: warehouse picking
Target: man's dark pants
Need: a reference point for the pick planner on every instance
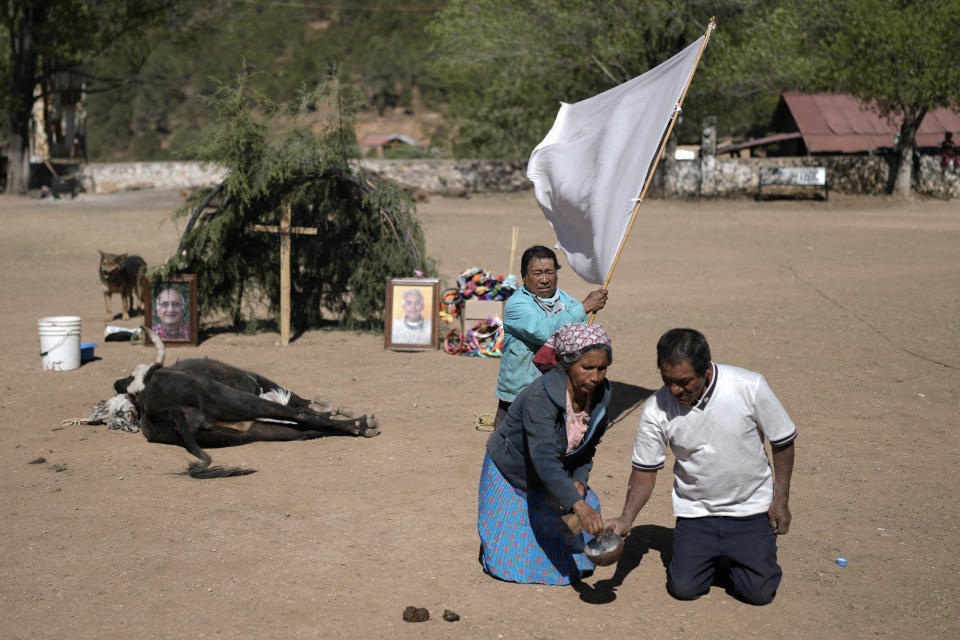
(749, 544)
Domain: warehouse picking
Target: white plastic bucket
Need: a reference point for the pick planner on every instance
(59, 342)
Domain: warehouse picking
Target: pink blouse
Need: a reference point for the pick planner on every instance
(577, 423)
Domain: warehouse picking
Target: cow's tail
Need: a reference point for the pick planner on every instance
(203, 470)
(200, 468)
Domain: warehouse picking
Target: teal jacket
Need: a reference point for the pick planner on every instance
(530, 445)
(526, 327)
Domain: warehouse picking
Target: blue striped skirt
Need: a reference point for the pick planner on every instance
(520, 534)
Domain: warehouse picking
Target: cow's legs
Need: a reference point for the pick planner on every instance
(226, 404)
(321, 405)
(230, 434)
(252, 382)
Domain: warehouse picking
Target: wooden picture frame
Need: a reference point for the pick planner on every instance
(179, 294)
(406, 297)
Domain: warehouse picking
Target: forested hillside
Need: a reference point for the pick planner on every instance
(153, 113)
(465, 77)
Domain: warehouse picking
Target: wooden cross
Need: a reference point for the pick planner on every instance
(285, 229)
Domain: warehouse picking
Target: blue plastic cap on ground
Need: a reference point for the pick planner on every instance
(842, 562)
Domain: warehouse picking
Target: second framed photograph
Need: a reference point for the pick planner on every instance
(411, 314)
(170, 309)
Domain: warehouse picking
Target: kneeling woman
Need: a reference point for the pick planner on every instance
(537, 463)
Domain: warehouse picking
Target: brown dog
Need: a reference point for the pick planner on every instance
(123, 274)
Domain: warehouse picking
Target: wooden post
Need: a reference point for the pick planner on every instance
(285, 229)
(285, 219)
(513, 247)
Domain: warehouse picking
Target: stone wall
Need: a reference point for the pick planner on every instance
(452, 177)
(110, 177)
(737, 177)
(710, 177)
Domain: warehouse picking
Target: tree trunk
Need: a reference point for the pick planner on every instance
(20, 112)
(18, 164)
(903, 182)
(237, 312)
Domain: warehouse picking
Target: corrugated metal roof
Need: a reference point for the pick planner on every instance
(758, 142)
(377, 140)
(841, 123)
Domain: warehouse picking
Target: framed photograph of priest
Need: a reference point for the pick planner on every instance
(411, 313)
(170, 309)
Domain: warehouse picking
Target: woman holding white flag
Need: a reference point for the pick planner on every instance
(530, 317)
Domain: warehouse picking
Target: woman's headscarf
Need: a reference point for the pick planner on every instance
(577, 335)
(568, 339)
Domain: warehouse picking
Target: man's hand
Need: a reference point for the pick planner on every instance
(595, 301)
(618, 525)
(779, 514)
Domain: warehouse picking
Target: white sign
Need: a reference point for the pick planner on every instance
(801, 176)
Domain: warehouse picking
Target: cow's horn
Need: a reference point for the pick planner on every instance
(158, 343)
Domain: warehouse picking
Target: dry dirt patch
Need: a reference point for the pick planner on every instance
(850, 308)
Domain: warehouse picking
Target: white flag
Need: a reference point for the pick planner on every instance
(590, 169)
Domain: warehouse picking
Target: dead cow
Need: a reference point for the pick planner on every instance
(206, 403)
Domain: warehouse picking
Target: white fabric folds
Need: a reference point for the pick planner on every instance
(589, 170)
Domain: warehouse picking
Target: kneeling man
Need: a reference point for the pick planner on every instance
(727, 502)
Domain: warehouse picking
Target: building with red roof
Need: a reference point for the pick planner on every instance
(839, 123)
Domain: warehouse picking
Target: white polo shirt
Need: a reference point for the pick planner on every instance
(721, 465)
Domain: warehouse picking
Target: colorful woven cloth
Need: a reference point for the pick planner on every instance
(577, 335)
(478, 284)
(520, 534)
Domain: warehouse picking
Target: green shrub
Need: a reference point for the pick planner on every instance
(366, 230)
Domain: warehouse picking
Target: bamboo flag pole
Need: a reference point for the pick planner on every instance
(513, 248)
(656, 158)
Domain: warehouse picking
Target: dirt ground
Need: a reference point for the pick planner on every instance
(850, 308)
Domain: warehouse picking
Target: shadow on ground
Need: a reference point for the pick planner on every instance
(640, 542)
(627, 398)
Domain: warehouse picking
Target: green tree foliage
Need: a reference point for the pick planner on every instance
(509, 64)
(367, 231)
(756, 53)
(900, 55)
(291, 44)
(499, 68)
(44, 38)
(131, 113)
(383, 50)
